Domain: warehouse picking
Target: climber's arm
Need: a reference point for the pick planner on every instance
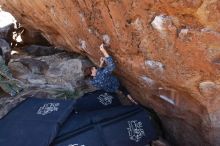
(110, 65)
(102, 60)
(104, 52)
(109, 61)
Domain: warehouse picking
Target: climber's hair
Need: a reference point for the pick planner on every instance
(88, 72)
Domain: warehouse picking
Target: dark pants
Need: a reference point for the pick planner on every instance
(123, 90)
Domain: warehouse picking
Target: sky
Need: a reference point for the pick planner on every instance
(6, 18)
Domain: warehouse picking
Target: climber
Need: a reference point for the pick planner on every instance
(7, 83)
(102, 77)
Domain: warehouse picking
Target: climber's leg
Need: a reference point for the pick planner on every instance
(126, 93)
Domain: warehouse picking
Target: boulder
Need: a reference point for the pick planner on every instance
(38, 50)
(7, 32)
(31, 36)
(58, 71)
(172, 45)
(5, 50)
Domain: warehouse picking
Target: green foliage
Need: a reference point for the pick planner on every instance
(64, 94)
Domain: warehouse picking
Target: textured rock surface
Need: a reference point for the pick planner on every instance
(5, 32)
(58, 71)
(168, 48)
(55, 76)
(33, 37)
(7, 104)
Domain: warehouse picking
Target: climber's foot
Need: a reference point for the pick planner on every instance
(131, 99)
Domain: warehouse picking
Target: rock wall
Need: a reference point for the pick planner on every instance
(167, 53)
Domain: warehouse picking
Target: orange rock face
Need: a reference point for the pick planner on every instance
(167, 53)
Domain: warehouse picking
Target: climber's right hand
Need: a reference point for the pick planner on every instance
(102, 47)
(104, 52)
(102, 60)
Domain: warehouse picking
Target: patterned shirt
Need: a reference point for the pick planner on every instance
(104, 79)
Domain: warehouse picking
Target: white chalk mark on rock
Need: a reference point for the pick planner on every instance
(82, 44)
(207, 88)
(89, 30)
(163, 24)
(52, 11)
(155, 65)
(82, 17)
(183, 32)
(106, 39)
(158, 22)
(138, 24)
(65, 22)
(168, 99)
(148, 81)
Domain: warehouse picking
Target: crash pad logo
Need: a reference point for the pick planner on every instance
(135, 130)
(48, 108)
(105, 99)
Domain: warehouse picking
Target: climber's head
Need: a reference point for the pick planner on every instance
(90, 71)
